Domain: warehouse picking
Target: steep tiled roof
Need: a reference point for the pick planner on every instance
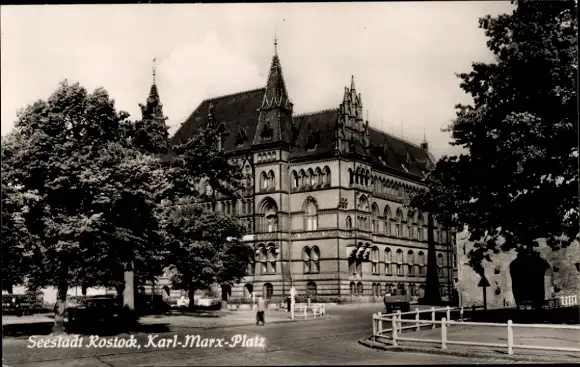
(321, 125)
(238, 112)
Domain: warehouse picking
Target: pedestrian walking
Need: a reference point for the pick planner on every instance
(260, 317)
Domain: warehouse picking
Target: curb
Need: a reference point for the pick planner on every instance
(325, 317)
(481, 355)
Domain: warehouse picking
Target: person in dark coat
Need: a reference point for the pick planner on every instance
(260, 318)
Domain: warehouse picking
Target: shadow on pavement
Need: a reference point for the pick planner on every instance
(564, 315)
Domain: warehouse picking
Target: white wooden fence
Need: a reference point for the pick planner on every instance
(567, 301)
(394, 323)
(305, 311)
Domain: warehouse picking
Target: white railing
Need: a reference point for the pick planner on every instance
(304, 310)
(395, 322)
(567, 301)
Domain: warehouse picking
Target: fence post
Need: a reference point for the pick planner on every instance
(394, 328)
(448, 313)
(433, 317)
(314, 309)
(461, 314)
(380, 323)
(292, 310)
(443, 334)
(305, 312)
(399, 317)
(374, 327)
(510, 338)
(417, 324)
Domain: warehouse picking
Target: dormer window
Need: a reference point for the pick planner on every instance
(267, 131)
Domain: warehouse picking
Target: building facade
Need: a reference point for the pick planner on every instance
(327, 196)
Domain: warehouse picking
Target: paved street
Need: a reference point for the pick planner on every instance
(327, 341)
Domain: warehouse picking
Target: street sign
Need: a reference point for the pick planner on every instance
(483, 282)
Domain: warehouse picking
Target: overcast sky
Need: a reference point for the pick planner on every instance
(404, 56)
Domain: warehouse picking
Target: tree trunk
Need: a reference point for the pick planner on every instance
(190, 295)
(432, 295)
(84, 290)
(58, 327)
(9, 288)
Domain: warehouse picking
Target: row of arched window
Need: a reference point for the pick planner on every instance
(312, 178)
(266, 157)
(268, 290)
(267, 181)
(267, 256)
(311, 260)
(415, 264)
(359, 176)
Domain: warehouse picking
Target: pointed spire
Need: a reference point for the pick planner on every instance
(424, 144)
(154, 71)
(276, 94)
(275, 44)
(352, 88)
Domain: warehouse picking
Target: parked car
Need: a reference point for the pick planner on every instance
(398, 300)
(16, 304)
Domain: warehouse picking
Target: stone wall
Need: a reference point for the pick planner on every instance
(563, 278)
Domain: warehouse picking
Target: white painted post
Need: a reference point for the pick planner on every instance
(510, 338)
(380, 323)
(417, 324)
(399, 316)
(433, 317)
(448, 313)
(394, 326)
(443, 334)
(305, 312)
(461, 314)
(374, 327)
(292, 311)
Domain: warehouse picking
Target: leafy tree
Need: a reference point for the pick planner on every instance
(96, 210)
(150, 135)
(17, 204)
(201, 253)
(205, 249)
(519, 180)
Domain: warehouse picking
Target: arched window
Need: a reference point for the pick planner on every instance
(399, 262)
(375, 260)
(311, 289)
(251, 265)
(363, 203)
(268, 290)
(352, 289)
(351, 174)
(421, 261)
(410, 220)
(272, 256)
(263, 259)
(359, 289)
(388, 261)
(410, 263)
(295, 180)
(306, 260)
(310, 215)
(398, 220)
(315, 260)
(421, 223)
(388, 288)
(271, 180)
(375, 216)
(248, 290)
(412, 290)
(311, 177)
(319, 176)
(387, 215)
(263, 181)
(326, 178)
(302, 177)
(440, 264)
(269, 222)
(348, 222)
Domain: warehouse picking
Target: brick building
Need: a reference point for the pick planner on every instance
(327, 196)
